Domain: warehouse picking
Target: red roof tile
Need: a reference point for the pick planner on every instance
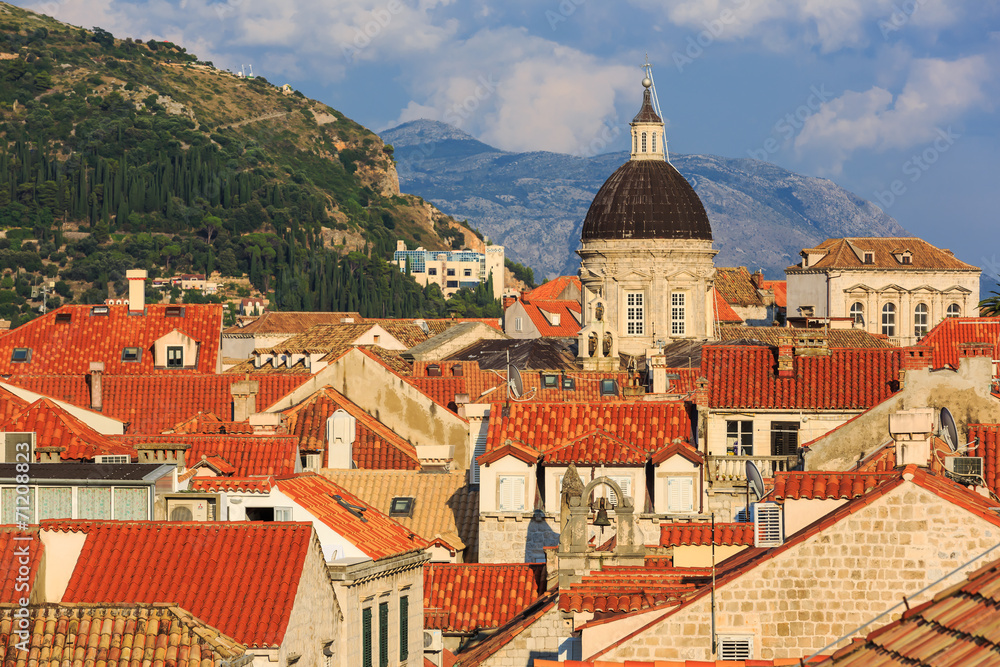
(988, 447)
(239, 577)
(596, 448)
(743, 376)
(232, 484)
(484, 386)
(507, 633)
(542, 312)
(20, 548)
(946, 338)
(54, 427)
(817, 485)
(65, 341)
(956, 628)
(735, 286)
(848, 253)
(780, 289)
(376, 446)
(724, 312)
(553, 289)
(630, 589)
(693, 534)
(10, 404)
(249, 455)
(209, 422)
(780, 662)
(376, 535)
(477, 596)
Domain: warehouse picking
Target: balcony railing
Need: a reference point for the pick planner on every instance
(733, 469)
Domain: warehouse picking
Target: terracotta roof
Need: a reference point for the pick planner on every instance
(743, 376)
(239, 577)
(376, 445)
(723, 311)
(630, 589)
(249, 455)
(290, 323)
(249, 367)
(542, 312)
(772, 336)
(65, 341)
(10, 404)
(478, 596)
(779, 662)
(848, 253)
(692, 534)
(736, 286)
(946, 337)
(444, 504)
(152, 635)
(510, 447)
(232, 484)
(780, 289)
(553, 289)
(209, 422)
(374, 533)
(596, 448)
(507, 633)
(391, 359)
(815, 485)
(322, 338)
(18, 543)
(647, 426)
(958, 627)
(988, 447)
(54, 427)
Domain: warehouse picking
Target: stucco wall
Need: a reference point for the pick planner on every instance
(528, 328)
(316, 616)
(370, 593)
(812, 424)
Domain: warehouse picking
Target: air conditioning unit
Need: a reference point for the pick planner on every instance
(192, 508)
(967, 469)
(768, 525)
(433, 641)
(18, 447)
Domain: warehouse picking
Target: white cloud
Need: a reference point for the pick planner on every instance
(936, 93)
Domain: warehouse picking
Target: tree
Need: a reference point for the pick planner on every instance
(990, 307)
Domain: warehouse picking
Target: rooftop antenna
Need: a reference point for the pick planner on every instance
(648, 69)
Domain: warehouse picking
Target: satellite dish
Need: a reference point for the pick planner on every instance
(754, 480)
(515, 387)
(949, 431)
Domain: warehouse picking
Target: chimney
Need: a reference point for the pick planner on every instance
(911, 431)
(974, 350)
(757, 278)
(172, 452)
(701, 392)
(786, 358)
(136, 290)
(96, 390)
(244, 395)
(341, 431)
(917, 357)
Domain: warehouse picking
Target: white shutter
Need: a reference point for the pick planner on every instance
(511, 493)
(680, 494)
(477, 451)
(736, 647)
(625, 482)
(767, 525)
(518, 500)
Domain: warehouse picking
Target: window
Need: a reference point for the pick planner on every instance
(434, 371)
(889, 320)
(623, 481)
(282, 513)
(550, 381)
(643, 142)
(858, 313)
(21, 355)
(677, 313)
(260, 514)
(735, 647)
(64, 318)
(467, 273)
(906, 259)
(954, 310)
(452, 283)
(569, 384)
(869, 258)
(131, 354)
(920, 320)
(784, 438)
(680, 494)
(654, 142)
(609, 388)
(739, 437)
(113, 458)
(174, 311)
(451, 272)
(383, 634)
(432, 272)
(99, 310)
(401, 506)
(635, 144)
(404, 628)
(478, 450)
(175, 357)
(366, 637)
(517, 324)
(457, 370)
(511, 488)
(634, 315)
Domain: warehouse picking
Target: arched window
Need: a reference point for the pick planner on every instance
(858, 313)
(889, 320)
(920, 320)
(654, 142)
(635, 143)
(643, 142)
(954, 310)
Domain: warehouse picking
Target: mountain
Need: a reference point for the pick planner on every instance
(534, 203)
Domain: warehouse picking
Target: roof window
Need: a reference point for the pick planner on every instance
(609, 388)
(100, 310)
(457, 370)
(131, 354)
(401, 506)
(21, 355)
(568, 383)
(64, 318)
(869, 258)
(434, 371)
(550, 381)
(173, 311)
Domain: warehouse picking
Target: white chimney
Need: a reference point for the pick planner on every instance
(136, 290)
(341, 431)
(911, 430)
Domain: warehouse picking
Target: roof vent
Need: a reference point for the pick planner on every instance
(100, 310)
(355, 510)
(64, 318)
(173, 311)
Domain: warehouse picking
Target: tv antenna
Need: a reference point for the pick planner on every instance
(949, 430)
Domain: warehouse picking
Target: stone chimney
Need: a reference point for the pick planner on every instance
(96, 388)
(244, 395)
(136, 290)
(786, 358)
(757, 278)
(911, 431)
(917, 357)
(341, 432)
(171, 452)
(970, 349)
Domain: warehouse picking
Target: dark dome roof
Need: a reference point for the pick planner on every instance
(646, 199)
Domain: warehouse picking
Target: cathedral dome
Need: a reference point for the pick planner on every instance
(646, 199)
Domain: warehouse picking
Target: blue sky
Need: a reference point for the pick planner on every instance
(893, 99)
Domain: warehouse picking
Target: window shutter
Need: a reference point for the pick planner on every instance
(383, 634)
(767, 524)
(404, 628)
(477, 451)
(518, 500)
(680, 494)
(511, 493)
(366, 637)
(736, 648)
(625, 482)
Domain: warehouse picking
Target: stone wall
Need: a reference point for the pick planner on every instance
(823, 588)
(520, 538)
(541, 641)
(316, 616)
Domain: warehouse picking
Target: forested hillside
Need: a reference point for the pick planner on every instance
(119, 154)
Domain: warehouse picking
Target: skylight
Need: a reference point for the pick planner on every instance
(401, 506)
(131, 354)
(21, 354)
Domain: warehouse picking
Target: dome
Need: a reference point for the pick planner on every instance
(646, 199)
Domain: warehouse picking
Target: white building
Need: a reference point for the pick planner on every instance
(451, 270)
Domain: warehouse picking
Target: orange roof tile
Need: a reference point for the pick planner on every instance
(507, 633)
(723, 311)
(477, 596)
(232, 484)
(780, 289)
(988, 447)
(553, 289)
(290, 323)
(596, 448)
(946, 338)
(625, 589)
(18, 544)
(688, 534)
(375, 534)
(65, 341)
(239, 577)
(209, 422)
(816, 485)
(54, 427)
(248, 455)
(376, 445)
(63, 634)
(10, 404)
(773, 335)
(779, 662)
(541, 314)
(848, 253)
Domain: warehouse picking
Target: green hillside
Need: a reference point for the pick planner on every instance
(118, 153)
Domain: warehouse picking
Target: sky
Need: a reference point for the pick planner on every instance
(894, 100)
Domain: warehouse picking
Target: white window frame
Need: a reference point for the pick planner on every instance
(179, 359)
(889, 319)
(635, 313)
(514, 504)
(677, 486)
(518, 324)
(283, 514)
(921, 319)
(954, 310)
(858, 313)
(113, 458)
(678, 313)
